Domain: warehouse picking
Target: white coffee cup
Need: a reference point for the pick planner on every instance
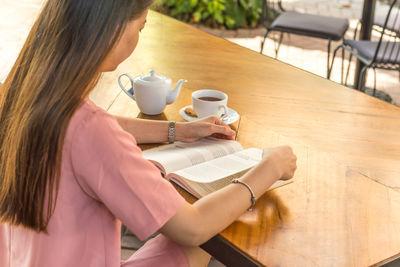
(209, 102)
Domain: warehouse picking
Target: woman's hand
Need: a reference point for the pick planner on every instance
(283, 160)
(210, 126)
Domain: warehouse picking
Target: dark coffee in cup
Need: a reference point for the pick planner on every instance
(209, 98)
(207, 102)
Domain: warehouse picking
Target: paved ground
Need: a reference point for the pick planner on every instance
(303, 52)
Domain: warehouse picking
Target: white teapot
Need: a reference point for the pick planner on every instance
(152, 92)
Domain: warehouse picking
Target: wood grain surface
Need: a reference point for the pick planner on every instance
(343, 208)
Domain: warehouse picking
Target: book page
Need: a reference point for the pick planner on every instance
(222, 167)
(202, 189)
(180, 155)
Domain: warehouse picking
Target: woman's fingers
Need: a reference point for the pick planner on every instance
(210, 126)
(222, 136)
(222, 129)
(284, 159)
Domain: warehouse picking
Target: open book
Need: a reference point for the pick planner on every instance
(206, 165)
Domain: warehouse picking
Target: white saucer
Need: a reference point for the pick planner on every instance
(231, 118)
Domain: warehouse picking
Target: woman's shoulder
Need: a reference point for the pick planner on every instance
(89, 119)
(88, 111)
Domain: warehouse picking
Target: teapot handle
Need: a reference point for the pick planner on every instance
(130, 92)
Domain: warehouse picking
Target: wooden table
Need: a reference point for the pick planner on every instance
(343, 208)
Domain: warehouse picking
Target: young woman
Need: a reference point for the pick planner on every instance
(70, 173)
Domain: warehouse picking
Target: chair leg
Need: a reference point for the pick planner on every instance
(356, 30)
(341, 72)
(327, 63)
(263, 41)
(348, 69)
(363, 74)
(333, 59)
(279, 45)
(373, 93)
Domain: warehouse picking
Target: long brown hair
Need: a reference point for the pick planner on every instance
(55, 70)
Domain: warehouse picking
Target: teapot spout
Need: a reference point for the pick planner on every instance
(173, 94)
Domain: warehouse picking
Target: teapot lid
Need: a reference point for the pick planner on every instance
(153, 77)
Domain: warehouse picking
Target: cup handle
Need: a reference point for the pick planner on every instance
(130, 92)
(225, 112)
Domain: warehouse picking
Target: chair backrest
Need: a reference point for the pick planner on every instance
(270, 10)
(388, 46)
(393, 23)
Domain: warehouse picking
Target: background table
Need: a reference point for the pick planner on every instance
(343, 208)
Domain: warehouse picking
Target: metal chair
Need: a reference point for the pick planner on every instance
(393, 23)
(323, 27)
(381, 54)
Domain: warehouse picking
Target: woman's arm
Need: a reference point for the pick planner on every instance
(151, 131)
(195, 224)
(146, 131)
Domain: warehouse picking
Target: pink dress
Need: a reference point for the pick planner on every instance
(104, 180)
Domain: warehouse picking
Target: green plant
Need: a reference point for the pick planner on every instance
(229, 13)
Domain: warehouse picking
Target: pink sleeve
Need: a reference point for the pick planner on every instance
(110, 168)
